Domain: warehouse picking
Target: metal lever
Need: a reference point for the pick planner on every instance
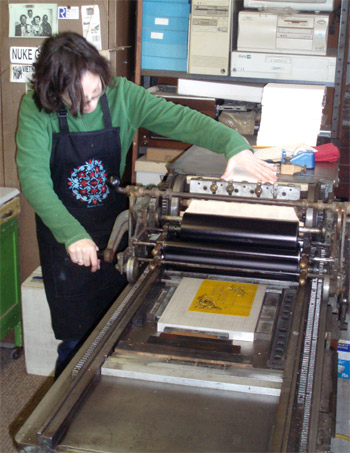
(114, 183)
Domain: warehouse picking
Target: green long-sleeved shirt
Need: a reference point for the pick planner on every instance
(131, 107)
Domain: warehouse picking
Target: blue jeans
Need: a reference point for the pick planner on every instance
(65, 351)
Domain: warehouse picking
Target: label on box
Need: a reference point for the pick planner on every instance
(161, 21)
(156, 35)
(344, 359)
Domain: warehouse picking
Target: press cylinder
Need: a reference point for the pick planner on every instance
(279, 261)
(238, 230)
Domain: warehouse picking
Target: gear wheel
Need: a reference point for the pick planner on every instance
(165, 185)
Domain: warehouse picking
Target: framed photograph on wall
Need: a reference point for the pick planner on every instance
(37, 20)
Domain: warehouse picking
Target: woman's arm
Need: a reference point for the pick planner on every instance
(187, 125)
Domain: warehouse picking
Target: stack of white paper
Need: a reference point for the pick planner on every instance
(290, 114)
(234, 92)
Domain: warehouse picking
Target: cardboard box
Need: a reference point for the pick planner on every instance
(162, 154)
(40, 344)
(165, 35)
(149, 172)
(344, 359)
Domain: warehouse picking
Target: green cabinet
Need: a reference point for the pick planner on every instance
(10, 287)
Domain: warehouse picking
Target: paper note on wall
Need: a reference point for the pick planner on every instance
(20, 73)
(24, 55)
(68, 12)
(35, 20)
(91, 25)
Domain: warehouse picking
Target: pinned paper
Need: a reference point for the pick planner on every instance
(68, 12)
(36, 20)
(21, 73)
(91, 25)
(24, 55)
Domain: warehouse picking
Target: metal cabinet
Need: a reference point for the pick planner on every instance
(10, 289)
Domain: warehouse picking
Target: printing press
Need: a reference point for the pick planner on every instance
(225, 337)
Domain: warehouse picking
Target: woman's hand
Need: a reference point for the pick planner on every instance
(245, 159)
(84, 253)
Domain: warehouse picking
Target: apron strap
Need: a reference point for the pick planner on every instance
(106, 113)
(62, 119)
(63, 114)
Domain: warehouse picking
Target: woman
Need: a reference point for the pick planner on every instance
(75, 129)
(36, 27)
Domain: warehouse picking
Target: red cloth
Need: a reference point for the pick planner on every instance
(327, 153)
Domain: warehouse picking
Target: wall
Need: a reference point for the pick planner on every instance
(117, 29)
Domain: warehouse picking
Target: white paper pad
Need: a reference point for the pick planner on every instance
(241, 92)
(291, 113)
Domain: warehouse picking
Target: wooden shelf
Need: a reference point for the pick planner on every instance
(336, 88)
(225, 79)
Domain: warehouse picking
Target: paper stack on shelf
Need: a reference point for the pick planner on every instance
(290, 114)
(235, 92)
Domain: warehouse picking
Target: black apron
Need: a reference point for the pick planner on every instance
(80, 164)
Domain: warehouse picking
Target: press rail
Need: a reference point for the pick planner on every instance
(62, 408)
(307, 372)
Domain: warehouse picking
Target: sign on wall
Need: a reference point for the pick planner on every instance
(32, 20)
(68, 12)
(21, 73)
(24, 55)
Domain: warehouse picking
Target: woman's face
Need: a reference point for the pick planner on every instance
(93, 90)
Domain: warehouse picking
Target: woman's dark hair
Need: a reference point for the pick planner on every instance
(63, 60)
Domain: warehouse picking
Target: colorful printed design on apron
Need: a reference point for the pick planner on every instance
(88, 182)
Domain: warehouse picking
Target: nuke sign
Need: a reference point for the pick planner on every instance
(24, 55)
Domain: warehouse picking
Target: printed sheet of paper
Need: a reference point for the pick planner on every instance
(224, 298)
(226, 308)
(21, 73)
(250, 210)
(91, 25)
(32, 20)
(68, 12)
